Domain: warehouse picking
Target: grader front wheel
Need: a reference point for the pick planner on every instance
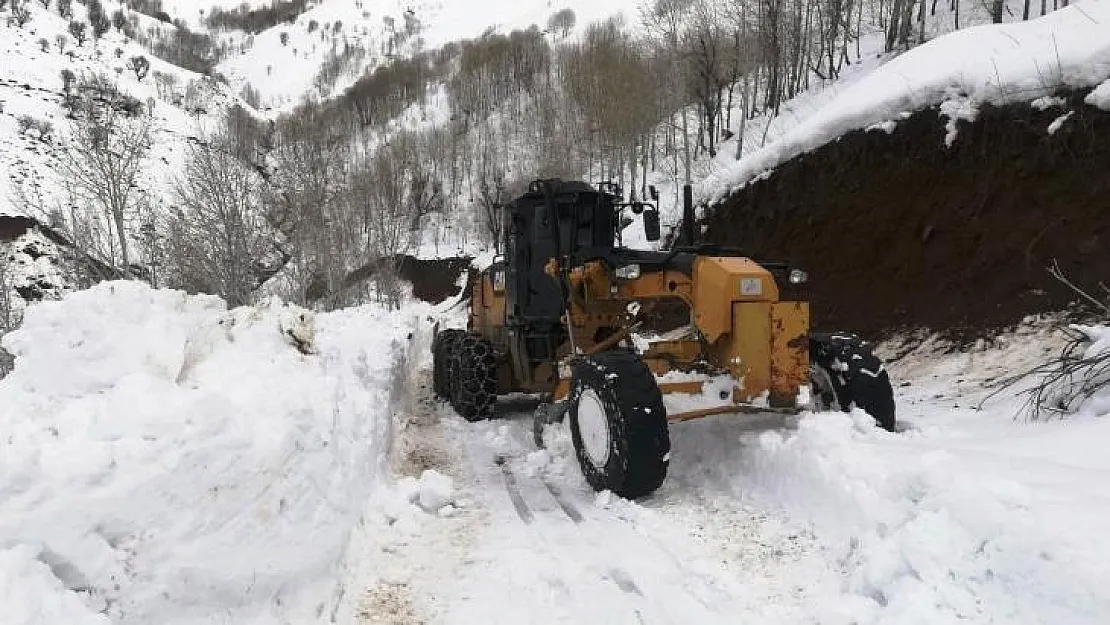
(618, 424)
(844, 372)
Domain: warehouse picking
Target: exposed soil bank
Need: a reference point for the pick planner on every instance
(899, 231)
(432, 280)
(12, 227)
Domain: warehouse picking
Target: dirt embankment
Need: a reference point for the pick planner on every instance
(13, 227)
(432, 280)
(899, 231)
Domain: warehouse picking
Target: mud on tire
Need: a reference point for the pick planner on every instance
(618, 424)
(442, 345)
(472, 374)
(856, 374)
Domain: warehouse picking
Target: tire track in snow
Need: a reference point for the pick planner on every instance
(562, 556)
(568, 508)
(521, 506)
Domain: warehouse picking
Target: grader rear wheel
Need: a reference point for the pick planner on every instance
(442, 345)
(618, 424)
(473, 371)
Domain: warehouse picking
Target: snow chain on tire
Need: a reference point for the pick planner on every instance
(639, 443)
(858, 376)
(442, 346)
(473, 377)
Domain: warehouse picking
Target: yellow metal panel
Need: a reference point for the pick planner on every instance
(487, 306)
(789, 351)
(720, 281)
(658, 366)
(691, 388)
(749, 353)
(679, 351)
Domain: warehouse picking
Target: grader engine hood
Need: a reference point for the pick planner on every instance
(761, 340)
(720, 282)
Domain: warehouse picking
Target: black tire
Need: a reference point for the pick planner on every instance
(442, 345)
(856, 374)
(618, 384)
(473, 377)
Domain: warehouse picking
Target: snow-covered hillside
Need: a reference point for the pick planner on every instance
(283, 62)
(33, 123)
(959, 72)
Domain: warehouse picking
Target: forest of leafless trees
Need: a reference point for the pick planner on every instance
(350, 182)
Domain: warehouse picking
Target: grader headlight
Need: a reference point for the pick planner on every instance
(628, 272)
(797, 276)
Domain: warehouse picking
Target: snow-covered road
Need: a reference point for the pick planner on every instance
(165, 460)
(969, 516)
(542, 547)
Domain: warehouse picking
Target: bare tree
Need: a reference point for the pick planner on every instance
(104, 155)
(379, 199)
(10, 315)
(79, 30)
(663, 20)
(98, 18)
(708, 53)
(310, 158)
(562, 22)
(492, 191)
(21, 12)
(218, 237)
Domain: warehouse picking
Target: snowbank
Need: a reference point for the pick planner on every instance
(969, 516)
(165, 460)
(1005, 530)
(995, 64)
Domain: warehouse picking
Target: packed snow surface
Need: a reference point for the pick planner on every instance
(166, 460)
(967, 516)
(995, 64)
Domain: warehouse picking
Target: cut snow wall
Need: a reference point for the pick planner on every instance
(168, 461)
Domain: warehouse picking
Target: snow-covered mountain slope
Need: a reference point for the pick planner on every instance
(33, 123)
(961, 71)
(283, 62)
(165, 460)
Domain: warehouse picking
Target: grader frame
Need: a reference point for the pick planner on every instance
(551, 315)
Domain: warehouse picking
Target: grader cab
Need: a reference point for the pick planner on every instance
(559, 315)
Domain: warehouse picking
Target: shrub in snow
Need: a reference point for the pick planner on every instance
(140, 65)
(1078, 380)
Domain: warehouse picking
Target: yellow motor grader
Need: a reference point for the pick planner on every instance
(557, 313)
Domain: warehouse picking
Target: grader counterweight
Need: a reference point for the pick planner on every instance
(557, 313)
